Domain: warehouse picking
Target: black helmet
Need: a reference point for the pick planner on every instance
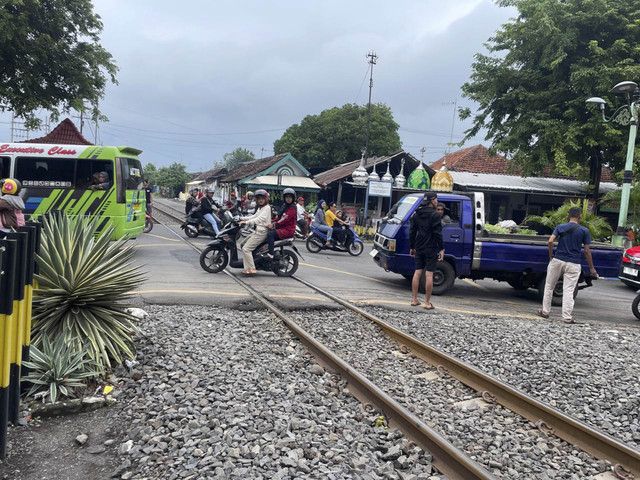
(289, 191)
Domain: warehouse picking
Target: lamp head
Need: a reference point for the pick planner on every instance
(598, 101)
(624, 87)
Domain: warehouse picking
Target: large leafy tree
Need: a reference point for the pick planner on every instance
(50, 57)
(174, 176)
(237, 157)
(541, 67)
(339, 134)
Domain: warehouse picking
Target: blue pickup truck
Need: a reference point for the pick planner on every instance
(471, 252)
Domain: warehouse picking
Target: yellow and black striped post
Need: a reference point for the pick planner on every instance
(17, 321)
(31, 285)
(8, 278)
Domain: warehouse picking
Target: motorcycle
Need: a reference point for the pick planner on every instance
(317, 242)
(148, 223)
(223, 251)
(192, 222)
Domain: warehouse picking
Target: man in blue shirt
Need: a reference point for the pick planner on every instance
(566, 263)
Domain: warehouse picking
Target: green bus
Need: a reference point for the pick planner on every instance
(95, 181)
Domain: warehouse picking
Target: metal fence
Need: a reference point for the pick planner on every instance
(17, 282)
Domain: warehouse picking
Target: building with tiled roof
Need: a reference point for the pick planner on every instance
(509, 196)
(476, 159)
(65, 133)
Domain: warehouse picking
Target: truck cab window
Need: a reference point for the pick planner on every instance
(453, 211)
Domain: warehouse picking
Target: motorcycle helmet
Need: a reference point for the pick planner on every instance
(10, 186)
(249, 194)
(209, 190)
(261, 193)
(289, 191)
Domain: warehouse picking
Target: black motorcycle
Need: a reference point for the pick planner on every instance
(223, 251)
(194, 221)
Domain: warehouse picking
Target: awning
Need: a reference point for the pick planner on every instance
(195, 182)
(280, 182)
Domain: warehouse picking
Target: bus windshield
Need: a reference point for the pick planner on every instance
(132, 178)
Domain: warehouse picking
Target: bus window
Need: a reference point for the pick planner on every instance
(131, 174)
(45, 172)
(87, 169)
(4, 167)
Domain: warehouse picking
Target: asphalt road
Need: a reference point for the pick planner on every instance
(175, 277)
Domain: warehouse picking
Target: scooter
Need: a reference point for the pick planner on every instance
(192, 223)
(223, 251)
(317, 242)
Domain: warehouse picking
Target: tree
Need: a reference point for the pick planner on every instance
(542, 66)
(151, 173)
(339, 134)
(174, 176)
(51, 58)
(237, 157)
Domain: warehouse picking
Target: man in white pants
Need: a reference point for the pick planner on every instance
(566, 263)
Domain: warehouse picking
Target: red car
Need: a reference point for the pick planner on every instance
(630, 268)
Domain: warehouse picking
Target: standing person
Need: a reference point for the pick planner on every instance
(427, 246)
(285, 226)
(566, 263)
(207, 206)
(301, 217)
(261, 220)
(148, 192)
(319, 221)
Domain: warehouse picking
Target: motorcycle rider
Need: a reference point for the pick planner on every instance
(261, 220)
(249, 205)
(320, 223)
(207, 206)
(192, 201)
(345, 227)
(301, 218)
(285, 225)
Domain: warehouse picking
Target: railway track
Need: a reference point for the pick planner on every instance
(447, 458)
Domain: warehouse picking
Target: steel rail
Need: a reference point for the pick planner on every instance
(448, 459)
(164, 212)
(595, 442)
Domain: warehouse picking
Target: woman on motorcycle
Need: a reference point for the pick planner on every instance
(320, 223)
(192, 201)
(345, 226)
(285, 226)
(207, 207)
(261, 220)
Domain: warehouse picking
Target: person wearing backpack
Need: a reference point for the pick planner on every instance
(566, 263)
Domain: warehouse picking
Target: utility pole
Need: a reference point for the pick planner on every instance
(372, 61)
(13, 119)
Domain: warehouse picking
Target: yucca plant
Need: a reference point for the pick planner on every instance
(598, 226)
(58, 369)
(83, 284)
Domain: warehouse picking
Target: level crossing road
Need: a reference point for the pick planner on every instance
(175, 277)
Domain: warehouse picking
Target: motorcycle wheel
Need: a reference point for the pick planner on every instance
(148, 225)
(312, 244)
(634, 307)
(214, 259)
(356, 248)
(288, 264)
(191, 231)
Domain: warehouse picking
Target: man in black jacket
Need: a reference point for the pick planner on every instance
(427, 246)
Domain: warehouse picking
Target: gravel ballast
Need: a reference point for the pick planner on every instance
(506, 444)
(222, 393)
(590, 371)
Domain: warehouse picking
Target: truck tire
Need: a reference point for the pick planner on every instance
(556, 300)
(443, 278)
(517, 284)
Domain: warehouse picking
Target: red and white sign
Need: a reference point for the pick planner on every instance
(38, 150)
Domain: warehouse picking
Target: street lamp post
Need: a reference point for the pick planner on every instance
(625, 115)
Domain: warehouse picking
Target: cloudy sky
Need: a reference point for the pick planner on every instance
(199, 78)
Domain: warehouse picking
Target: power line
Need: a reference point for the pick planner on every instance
(364, 78)
(198, 134)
